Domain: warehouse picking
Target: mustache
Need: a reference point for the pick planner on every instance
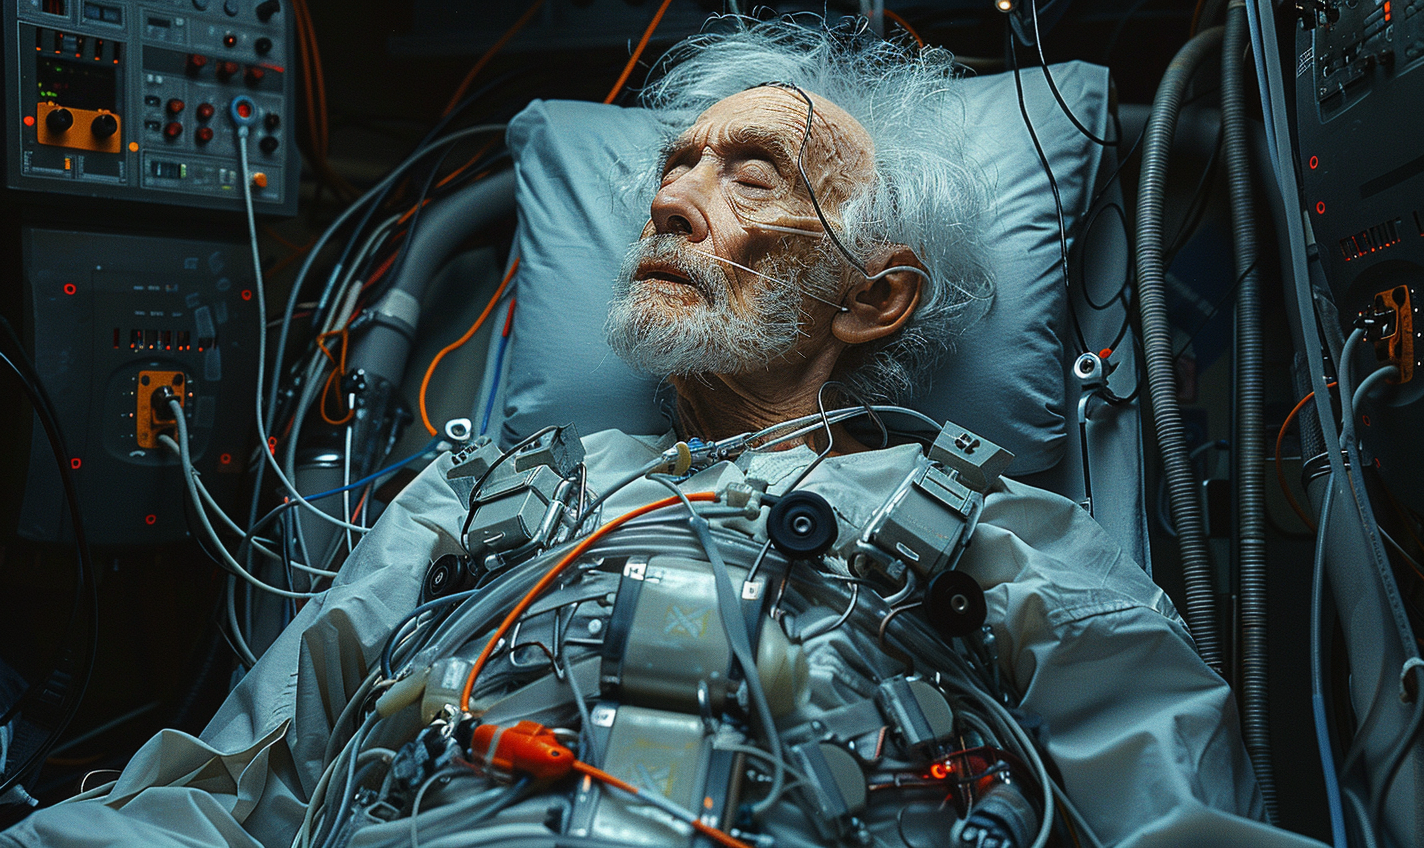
(674, 254)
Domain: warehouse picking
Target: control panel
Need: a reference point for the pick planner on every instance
(130, 100)
(118, 324)
(1359, 84)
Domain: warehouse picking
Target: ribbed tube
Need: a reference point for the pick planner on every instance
(1157, 343)
(1250, 448)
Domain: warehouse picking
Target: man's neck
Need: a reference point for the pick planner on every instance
(713, 407)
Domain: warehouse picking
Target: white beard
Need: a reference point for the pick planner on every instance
(710, 335)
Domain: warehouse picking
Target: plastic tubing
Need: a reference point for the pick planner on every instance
(1157, 343)
(1248, 437)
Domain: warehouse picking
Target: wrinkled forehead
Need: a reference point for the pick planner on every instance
(776, 116)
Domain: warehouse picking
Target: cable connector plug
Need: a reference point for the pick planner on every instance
(1378, 324)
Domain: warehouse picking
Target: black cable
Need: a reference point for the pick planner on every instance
(1215, 307)
(49, 420)
(1127, 279)
(1052, 184)
(1048, 77)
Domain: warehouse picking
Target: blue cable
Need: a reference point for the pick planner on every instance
(1317, 681)
(373, 475)
(494, 387)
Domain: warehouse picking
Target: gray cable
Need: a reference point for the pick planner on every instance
(1157, 343)
(1248, 429)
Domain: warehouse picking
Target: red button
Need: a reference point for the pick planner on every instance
(244, 110)
(173, 130)
(175, 106)
(206, 111)
(229, 40)
(254, 75)
(227, 69)
(196, 62)
(203, 135)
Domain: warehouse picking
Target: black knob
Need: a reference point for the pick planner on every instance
(267, 8)
(954, 604)
(263, 46)
(103, 125)
(801, 525)
(271, 120)
(268, 144)
(446, 576)
(59, 120)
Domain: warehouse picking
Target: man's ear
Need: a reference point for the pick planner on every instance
(879, 306)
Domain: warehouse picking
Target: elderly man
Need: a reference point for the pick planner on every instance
(768, 269)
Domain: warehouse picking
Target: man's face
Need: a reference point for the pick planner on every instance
(713, 286)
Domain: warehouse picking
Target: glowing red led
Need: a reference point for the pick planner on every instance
(1320, 208)
(272, 444)
(69, 288)
(938, 771)
(29, 120)
(1387, 13)
(225, 459)
(1314, 162)
(244, 109)
(247, 294)
(150, 519)
(75, 463)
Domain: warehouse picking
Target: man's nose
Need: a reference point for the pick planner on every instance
(679, 206)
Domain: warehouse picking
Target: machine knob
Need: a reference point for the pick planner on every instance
(253, 74)
(267, 8)
(271, 120)
(203, 135)
(103, 125)
(59, 120)
(175, 106)
(196, 62)
(172, 130)
(226, 69)
(268, 144)
(206, 111)
(802, 525)
(263, 46)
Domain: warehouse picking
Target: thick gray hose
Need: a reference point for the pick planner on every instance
(1249, 441)
(1157, 342)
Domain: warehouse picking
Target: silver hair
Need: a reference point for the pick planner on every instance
(926, 191)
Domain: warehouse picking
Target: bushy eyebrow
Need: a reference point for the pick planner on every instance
(743, 139)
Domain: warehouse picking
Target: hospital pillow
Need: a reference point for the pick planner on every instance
(1004, 378)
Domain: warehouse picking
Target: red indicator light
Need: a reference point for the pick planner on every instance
(75, 463)
(29, 120)
(272, 444)
(247, 294)
(1320, 208)
(1314, 162)
(1365, 419)
(150, 519)
(1387, 11)
(225, 459)
(1105, 353)
(244, 109)
(938, 771)
(69, 288)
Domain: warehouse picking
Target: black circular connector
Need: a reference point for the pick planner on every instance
(446, 576)
(802, 525)
(954, 604)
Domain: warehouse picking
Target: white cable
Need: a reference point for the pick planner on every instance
(1368, 384)
(189, 474)
(262, 351)
(239, 642)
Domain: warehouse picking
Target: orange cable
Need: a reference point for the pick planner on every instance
(1280, 472)
(905, 25)
(552, 574)
(637, 53)
(489, 54)
(337, 372)
(362, 502)
(430, 371)
(702, 827)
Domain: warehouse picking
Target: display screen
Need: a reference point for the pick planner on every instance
(75, 84)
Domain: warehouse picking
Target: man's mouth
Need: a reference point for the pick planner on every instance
(668, 274)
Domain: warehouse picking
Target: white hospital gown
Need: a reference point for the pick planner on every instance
(1143, 733)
